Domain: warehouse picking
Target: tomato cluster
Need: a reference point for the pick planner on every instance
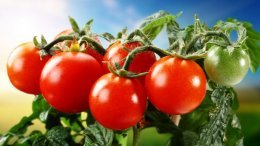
(74, 80)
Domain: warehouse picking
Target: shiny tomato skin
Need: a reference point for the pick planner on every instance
(117, 103)
(89, 49)
(24, 67)
(226, 68)
(175, 86)
(66, 80)
(117, 53)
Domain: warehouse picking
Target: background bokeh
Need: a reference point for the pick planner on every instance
(23, 19)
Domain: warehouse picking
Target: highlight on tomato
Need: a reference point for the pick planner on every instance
(116, 102)
(24, 67)
(175, 86)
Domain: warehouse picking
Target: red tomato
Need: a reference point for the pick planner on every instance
(117, 53)
(66, 80)
(175, 86)
(24, 67)
(89, 49)
(116, 102)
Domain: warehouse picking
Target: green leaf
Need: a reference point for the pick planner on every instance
(58, 135)
(195, 120)
(252, 45)
(35, 42)
(153, 25)
(172, 29)
(87, 26)
(97, 135)
(22, 126)
(54, 137)
(187, 138)
(43, 41)
(161, 121)
(234, 136)
(41, 108)
(74, 25)
(28, 141)
(109, 37)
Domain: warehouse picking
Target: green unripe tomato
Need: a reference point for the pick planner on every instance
(225, 67)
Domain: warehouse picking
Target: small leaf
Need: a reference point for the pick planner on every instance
(36, 43)
(97, 135)
(74, 25)
(153, 25)
(43, 41)
(88, 25)
(109, 37)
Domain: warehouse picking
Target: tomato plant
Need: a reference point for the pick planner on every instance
(24, 67)
(66, 81)
(78, 106)
(226, 67)
(117, 103)
(117, 53)
(176, 86)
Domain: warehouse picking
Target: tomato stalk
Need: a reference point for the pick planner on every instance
(96, 46)
(54, 42)
(136, 135)
(132, 54)
(208, 33)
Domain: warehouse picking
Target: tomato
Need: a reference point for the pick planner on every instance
(175, 86)
(226, 68)
(116, 102)
(89, 49)
(24, 67)
(117, 53)
(66, 80)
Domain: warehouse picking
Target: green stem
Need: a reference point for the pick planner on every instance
(141, 34)
(136, 135)
(95, 44)
(208, 33)
(132, 54)
(59, 39)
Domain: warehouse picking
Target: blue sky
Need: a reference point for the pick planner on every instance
(121, 13)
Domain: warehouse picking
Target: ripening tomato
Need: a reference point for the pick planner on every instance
(117, 102)
(117, 53)
(66, 80)
(226, 68)
(89, 49)
(175, 86)
(24, 67)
